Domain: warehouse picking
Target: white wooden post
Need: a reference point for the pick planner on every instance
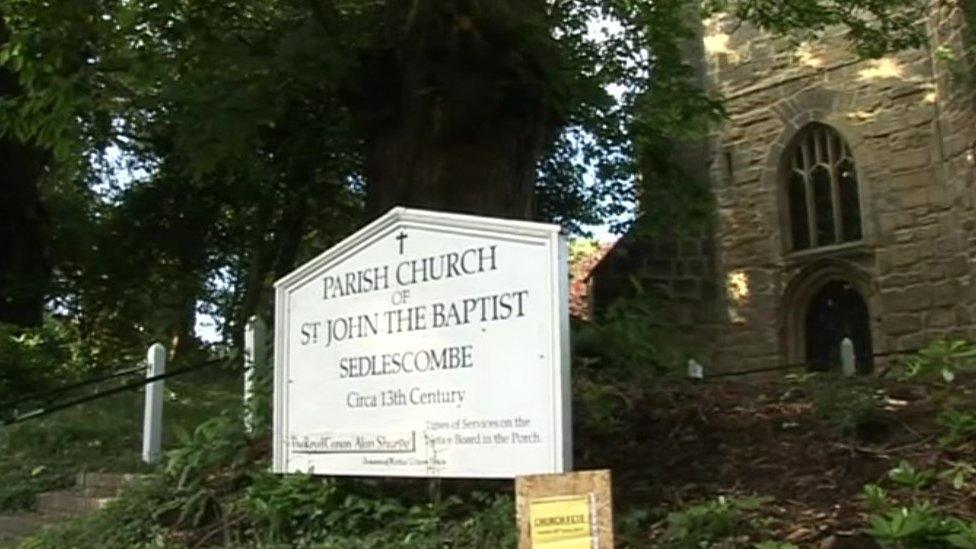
(848, 361)
(152, 427)
(255, 358)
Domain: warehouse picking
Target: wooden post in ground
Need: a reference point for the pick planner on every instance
(255, 359)
(152, 426)
(848, 361)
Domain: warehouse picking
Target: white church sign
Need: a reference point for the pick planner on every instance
(427, 345)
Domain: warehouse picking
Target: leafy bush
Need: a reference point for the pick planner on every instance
(920, 525)
(45, 453)
(215, 489)
(852, 407)
(627, 340)
(129, 521)
(38, 359)
(615, 360)
(876, 498)
(941, 360)
(711, 522)
(908, 476)
(959, 424)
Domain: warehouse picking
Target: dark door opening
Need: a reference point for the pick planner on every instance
(835, 312)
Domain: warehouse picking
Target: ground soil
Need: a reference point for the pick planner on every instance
(685, 443)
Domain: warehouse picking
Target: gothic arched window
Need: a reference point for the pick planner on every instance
(824, 207)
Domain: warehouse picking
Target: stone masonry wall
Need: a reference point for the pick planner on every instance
(911, 129)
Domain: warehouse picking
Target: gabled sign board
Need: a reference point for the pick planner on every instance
(426, 344)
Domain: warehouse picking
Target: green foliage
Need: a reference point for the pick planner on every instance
(211, 463)
(39, 359)
(959, 424)
(905, 474)
(213, 488)
(628, 340)
(306, 511)
(913, 527)
(941, 360)
(129, 521)
(44, 454)
(963, 536)
(582, 248)
(913, 522)
(890, 25)
(616, 357)
(294, 507)
(959, 474)
(875, 497)
(851, 407)
(712, 522)
(203, 149)
(104, 435)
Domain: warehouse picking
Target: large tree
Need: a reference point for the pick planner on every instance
(24, 267)
(261, 130)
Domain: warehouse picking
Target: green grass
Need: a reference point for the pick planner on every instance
(103, 435)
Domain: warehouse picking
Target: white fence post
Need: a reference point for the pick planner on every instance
(152, 427)
(848, 361)
(255, 359)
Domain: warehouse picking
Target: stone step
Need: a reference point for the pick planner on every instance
(69, 502)
(15, 527)
(107, 481)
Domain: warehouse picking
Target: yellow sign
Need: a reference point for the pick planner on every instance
(562, 522)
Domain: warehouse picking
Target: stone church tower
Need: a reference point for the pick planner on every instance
(844, 203)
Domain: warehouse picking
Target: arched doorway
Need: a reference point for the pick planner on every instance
(837, 310)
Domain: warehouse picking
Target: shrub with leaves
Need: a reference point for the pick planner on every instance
(941, 360)
(712, 522)
(918, 526)
(627, 340)
(851, 407)
(959, 424)
(912, 521)
(909, 476)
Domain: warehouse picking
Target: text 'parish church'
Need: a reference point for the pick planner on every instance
(844, 203)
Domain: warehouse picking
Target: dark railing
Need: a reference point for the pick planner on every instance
(797, 365)
(46, 395)
(45, 409)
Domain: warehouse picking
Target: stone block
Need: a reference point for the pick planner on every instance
(898, 280)
(694, 267)
(689, 247)
(904, 236)
(958, 266)
(659, 268)
(964, 316)
(904, 256)
(940, 318)
(686, 288)
(947, 293)
(938, 196)
(915, 298)
(934, 270)
(901, 324)
(913, 198)
(915, 341)
(909, 160)
(667, 248)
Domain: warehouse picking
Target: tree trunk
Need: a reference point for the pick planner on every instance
(449, 120)
(25, 272)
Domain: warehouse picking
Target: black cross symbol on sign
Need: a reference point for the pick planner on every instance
(400, 238)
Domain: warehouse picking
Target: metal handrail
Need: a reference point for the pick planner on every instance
(69, 387)
(41, 412)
